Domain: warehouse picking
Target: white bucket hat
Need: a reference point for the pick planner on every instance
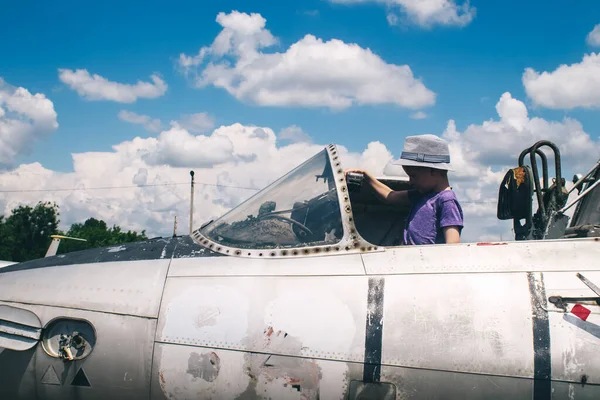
(425, 151)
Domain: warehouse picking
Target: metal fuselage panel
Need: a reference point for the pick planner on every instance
(465, 320)
(117, 368)
(123, 287)
(120, 300)
(258, 336)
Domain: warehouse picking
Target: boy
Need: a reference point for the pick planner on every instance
(435, 215)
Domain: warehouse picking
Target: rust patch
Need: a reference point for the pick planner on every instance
(519, 175)
(163, 384)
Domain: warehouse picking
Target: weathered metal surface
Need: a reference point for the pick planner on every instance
(318, 317)
(131, 288)
(17, 374)
(118, 368)
(188, 372)
(567, 285)
(542, 361)
(575, 342)
(575, 391)
(19, 329)
(152, 249)
(417, 384)
(233, 266)
(555, 255)
(479, 323)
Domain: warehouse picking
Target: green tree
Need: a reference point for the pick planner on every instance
(97, 234)
(6, 241)
(26, 233)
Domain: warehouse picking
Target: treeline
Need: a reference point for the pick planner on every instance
(25, 234)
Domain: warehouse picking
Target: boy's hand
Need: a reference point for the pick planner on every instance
(355, 170)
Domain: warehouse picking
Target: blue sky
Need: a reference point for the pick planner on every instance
(507, 73)
(467, 67)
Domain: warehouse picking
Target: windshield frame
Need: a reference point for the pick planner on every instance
(351, 241)
(585, 207)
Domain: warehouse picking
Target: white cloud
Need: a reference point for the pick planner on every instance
(197, 123)
(95, 87)
(152, 125)
(515, 131)
(482, 154)
(593, 38)
(419, 115)
(425, 13)
(24, 119)
(295, 134)
(310, 73)
(567, 87)
(241, 156)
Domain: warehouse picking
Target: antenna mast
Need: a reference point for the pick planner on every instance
(192, 204)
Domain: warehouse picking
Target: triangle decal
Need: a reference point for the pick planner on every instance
(81, 379)
(50, 377)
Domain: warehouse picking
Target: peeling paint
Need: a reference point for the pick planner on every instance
(571, 391)
(116, 249)
(191, 373)
(205, 366)
(280, 377)
(275, 341)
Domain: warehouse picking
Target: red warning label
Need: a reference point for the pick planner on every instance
(581, 311)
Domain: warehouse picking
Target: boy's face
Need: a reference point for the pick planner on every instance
(423, 179)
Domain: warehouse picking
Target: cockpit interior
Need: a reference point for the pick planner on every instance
(379, 223)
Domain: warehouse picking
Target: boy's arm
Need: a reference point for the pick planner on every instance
(451, 234)
(451, 220)
(383, 192)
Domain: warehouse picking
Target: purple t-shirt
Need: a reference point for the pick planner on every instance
(429, 213)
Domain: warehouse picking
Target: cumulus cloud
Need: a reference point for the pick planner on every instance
(24, 119)
(198, 123)
(425, 13)
(513, 132)
(244, 160)
(310, 73)
(593, 38)
(95, 87)
(567, 87)
(482, 154)
(152, 125)
(233, 162)
(294, 134)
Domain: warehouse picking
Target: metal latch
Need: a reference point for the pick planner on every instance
(563, 302)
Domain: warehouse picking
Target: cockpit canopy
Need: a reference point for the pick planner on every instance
(311, 210)
(299, 209)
